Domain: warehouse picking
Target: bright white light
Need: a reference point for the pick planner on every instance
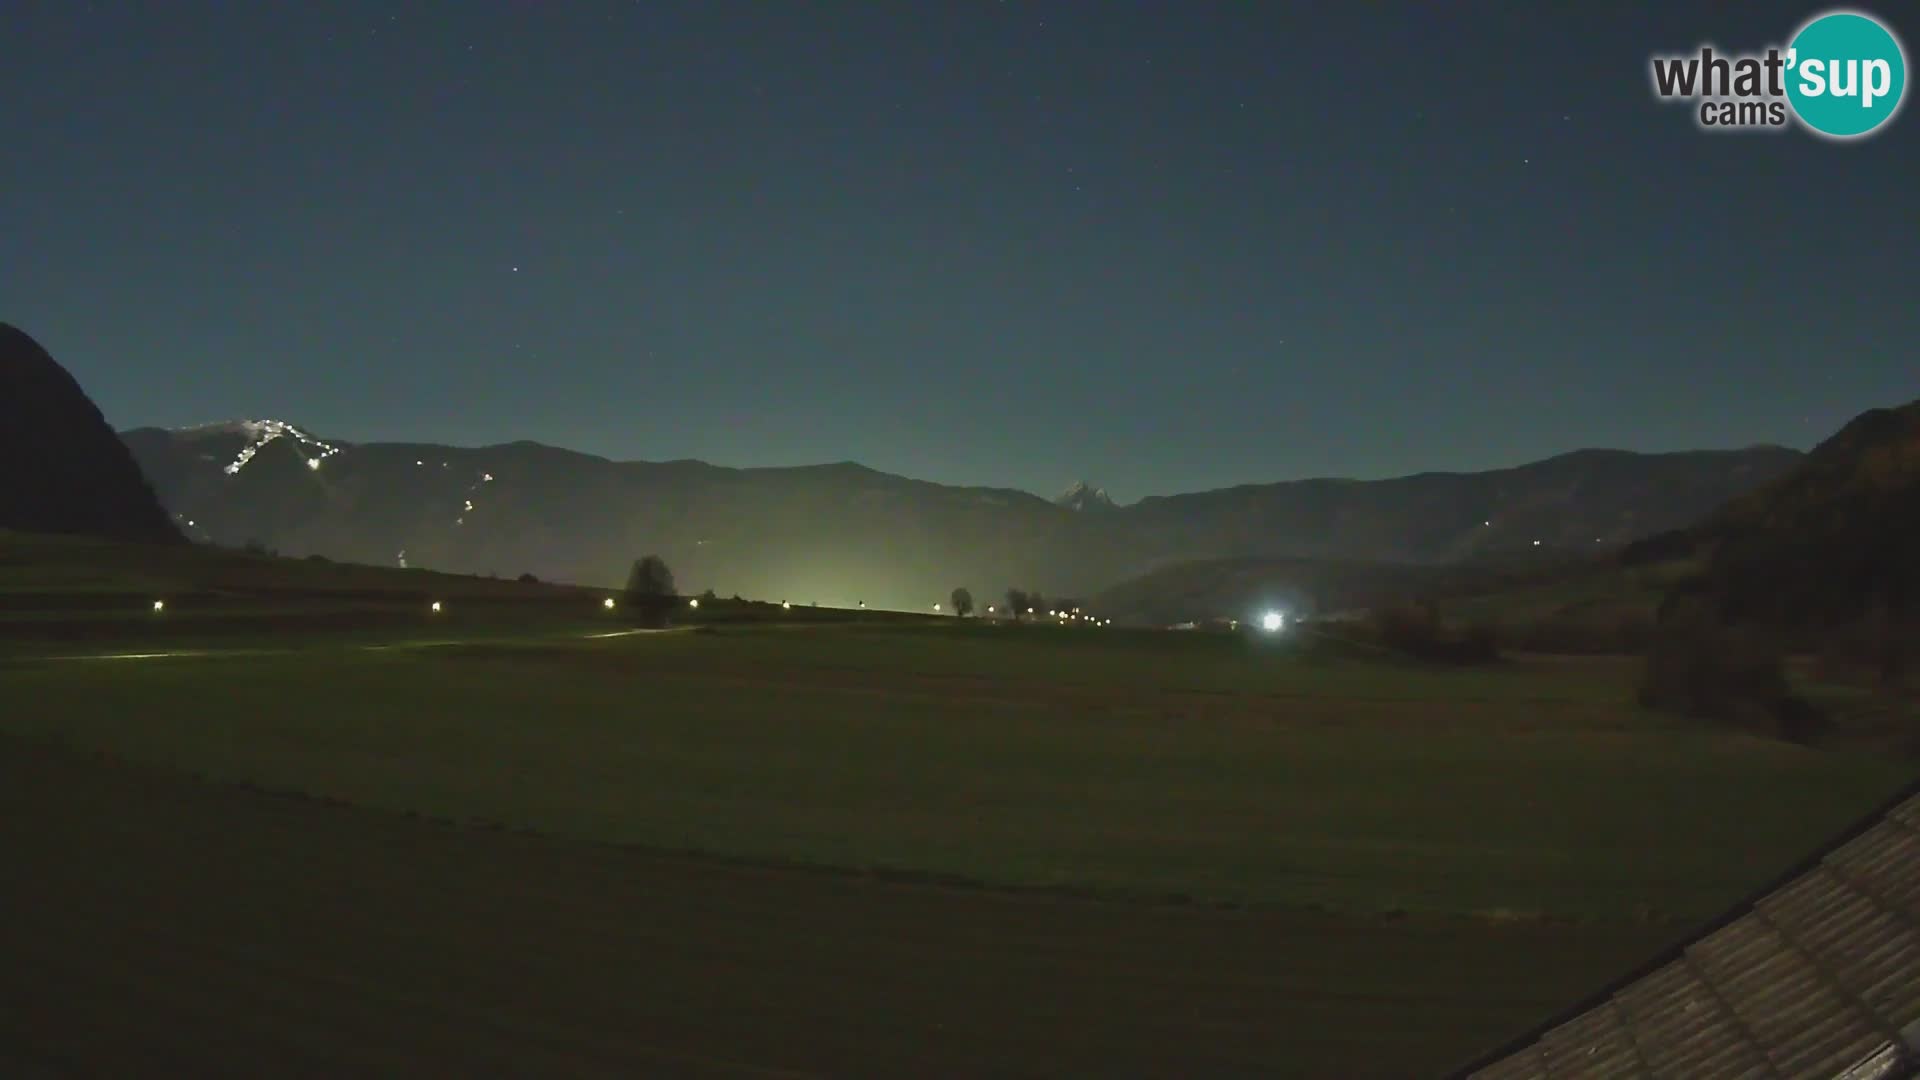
(784, 606)
(419, 463)
(989, 609)
(1272, 621)
(313, 463)
(607, 603)
(1029, 611)
(694, 603)
(435, 606)
(1536, 543)
(159, 605)
(936, 607)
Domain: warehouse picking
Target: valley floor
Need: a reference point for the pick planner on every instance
(913, 849)
(161, 924)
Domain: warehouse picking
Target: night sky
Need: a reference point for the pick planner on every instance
(1161, 246)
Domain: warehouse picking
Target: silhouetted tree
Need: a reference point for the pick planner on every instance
(1018, 602)
(962, 602)
(529, 579)
(650, 592)
(1700, 666)
(1415, 627)
(1658, 548)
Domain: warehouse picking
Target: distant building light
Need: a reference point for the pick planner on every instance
(694, 603)
(419, 463)
(607, 603)
(1536, 543)
(1029, 611)
(936, 607)
(159, 605)
(435, 606)
(784, 606)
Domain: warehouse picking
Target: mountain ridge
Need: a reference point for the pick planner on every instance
(62, 467)
(843, 532)
(1075, 489)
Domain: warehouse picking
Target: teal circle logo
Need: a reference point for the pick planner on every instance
(1846, 74)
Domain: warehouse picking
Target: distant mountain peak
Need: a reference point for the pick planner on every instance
(1084, 496)
(256, 434)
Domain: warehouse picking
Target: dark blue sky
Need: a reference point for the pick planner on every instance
(1164, 246)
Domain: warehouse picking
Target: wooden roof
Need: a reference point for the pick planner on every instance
(1819, 976)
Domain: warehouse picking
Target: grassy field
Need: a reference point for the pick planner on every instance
(1134, 764)
(500, 839)
(159, 925)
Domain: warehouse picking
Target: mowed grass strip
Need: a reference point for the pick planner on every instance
(162, 925)
(1134, 765)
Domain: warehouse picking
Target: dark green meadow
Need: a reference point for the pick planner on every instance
(159, 925)
(860, 843)
(1220, 769)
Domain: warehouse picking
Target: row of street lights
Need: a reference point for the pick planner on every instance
(608, 604)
